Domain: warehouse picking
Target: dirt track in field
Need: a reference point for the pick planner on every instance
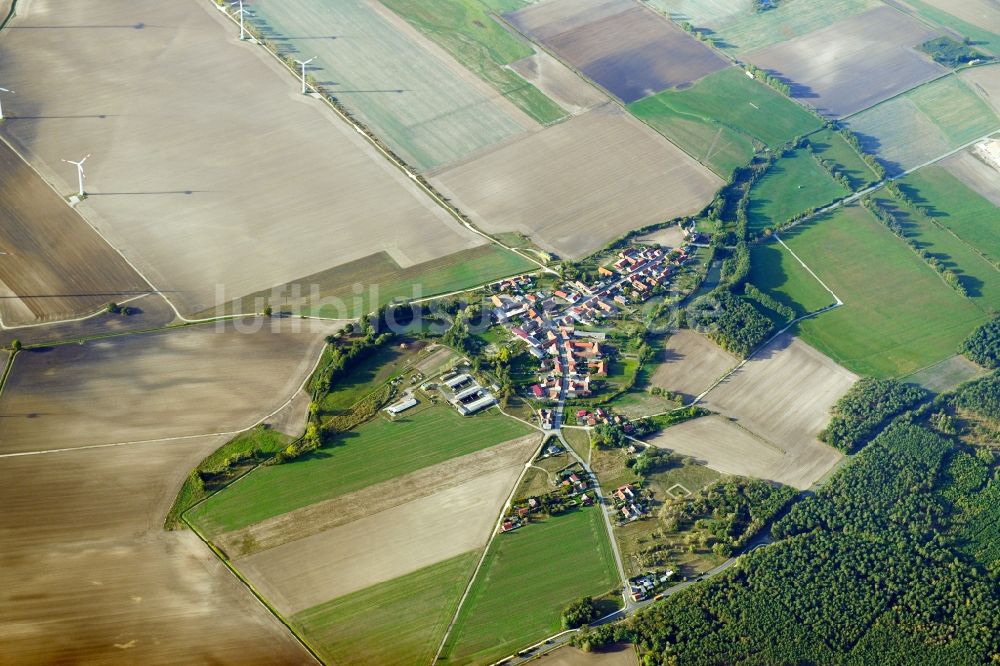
(692, 363)
(559, 83)
(345, 509)
(210, 201)
(87, 574)
(303, 573)
(188, 381)
(853, 64)
(54, 265)
(577, 185)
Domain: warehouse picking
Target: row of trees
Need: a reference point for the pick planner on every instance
(887, 217)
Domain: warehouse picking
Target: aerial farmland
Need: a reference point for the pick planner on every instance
(854, 63)
(594, 198)
(478, 332)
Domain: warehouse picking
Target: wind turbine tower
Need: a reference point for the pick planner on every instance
(303, 64)
(79, 171)
(240, 12)
(3, 90)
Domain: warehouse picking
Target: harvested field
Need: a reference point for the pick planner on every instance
(53, 265)
(898, 314)
(728, 448)
(784, 395)
(976, 174)
(692, 363)
(156, 385)
(983, 13)
(255, 213)
(672, 236)
(396, 623)
(89, 576)
(410, 92)
(947, 375)
(146, 312)
(381, 546)
(579, 184)
(924, 124)
(328, 514)
(853, 64)
(627, 49)
(985, 80)
(559, 83)
(614, 655)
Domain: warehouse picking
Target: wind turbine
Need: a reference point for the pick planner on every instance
(79, 171)
(304, 72)
(4, 90)
(240, 12)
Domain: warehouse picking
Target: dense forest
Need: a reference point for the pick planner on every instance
(864, 409)
(983, 346)
(890, 562)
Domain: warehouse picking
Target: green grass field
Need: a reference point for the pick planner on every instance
(953, 205)
(528, 577)
(774, 270)
(899, 316)
(398, 622)
(831, 146)
(979, 277)
(260, 439)
(923, 124)
(465, 29)
(376, 451)
(368, 375)
(791, 186)
(718, 119)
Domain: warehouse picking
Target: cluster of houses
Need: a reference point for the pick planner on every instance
(643, 586)
(465, 394)
(547, 321)
(629, 503)
(572, 490)
(585, 417)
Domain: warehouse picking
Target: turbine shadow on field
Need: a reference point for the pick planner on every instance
(100, 116)
(134, 26)
(123, 194)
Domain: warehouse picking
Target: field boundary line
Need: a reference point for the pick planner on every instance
(486, 550)
(99, 312)
(369, 136)
(806, 266)
(257, 595)
(259, 421)
(6, 370)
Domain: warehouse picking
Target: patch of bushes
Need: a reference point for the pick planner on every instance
(950, 52)
(580, 612)
(733, 322)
